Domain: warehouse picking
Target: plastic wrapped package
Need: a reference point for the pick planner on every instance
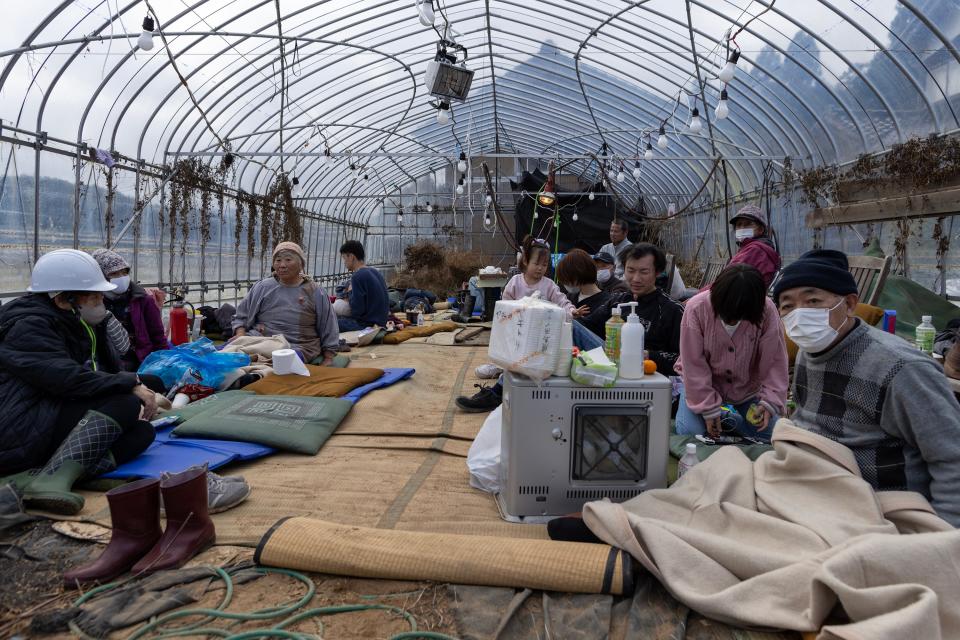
(593, 368)
(200, 359)
(526, 336)
(483, 459)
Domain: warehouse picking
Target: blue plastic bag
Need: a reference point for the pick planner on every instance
(200, 357)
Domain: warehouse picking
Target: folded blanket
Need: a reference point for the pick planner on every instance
(259, 348)
(789, 540)
(323, 382)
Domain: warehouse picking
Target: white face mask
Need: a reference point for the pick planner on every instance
(93, 315)
(810, 328)
(122, 282)
(743, 234)
(603, 275)
(571, 290)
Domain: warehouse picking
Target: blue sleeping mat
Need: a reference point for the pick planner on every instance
(169, 453)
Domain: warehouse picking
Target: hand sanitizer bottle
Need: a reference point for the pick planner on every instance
(631, 346)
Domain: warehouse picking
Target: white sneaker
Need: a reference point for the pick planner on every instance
(488, 371)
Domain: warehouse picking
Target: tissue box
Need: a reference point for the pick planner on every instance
(525, 337)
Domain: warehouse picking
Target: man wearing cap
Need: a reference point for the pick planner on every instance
(869, 390)
(756, 249)
(290, 304)
(606, 279)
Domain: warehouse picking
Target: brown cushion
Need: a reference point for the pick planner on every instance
(323, 382)
(867, 312)
(419, 332)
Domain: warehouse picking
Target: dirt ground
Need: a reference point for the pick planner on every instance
(33, 558)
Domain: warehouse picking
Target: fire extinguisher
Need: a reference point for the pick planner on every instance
(179, 324)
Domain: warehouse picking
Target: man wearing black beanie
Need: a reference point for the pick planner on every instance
(869, 390)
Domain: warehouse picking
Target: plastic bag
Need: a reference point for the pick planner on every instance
(208, 365)
(593, 369)
(525, 336)
(483, 458)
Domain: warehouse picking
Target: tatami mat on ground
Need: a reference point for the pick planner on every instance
(397, 461)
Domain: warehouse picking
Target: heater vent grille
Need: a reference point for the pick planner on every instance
(540, 394)
(610, 394)
(533, 490)
(596, 494)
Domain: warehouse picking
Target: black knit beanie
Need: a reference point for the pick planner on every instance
(825, 269)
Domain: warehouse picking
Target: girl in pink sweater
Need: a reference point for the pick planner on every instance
(732, 352)
(534, 264)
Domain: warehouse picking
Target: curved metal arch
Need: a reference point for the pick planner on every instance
(760, 95)
(787, 88)
(906, 46)
(267, 54)
(880, 47)
(866, 81)
(922, 17)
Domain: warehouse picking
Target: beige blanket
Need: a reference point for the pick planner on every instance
(259, 348)
(792, 540)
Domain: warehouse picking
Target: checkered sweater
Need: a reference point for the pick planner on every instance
(892, 406)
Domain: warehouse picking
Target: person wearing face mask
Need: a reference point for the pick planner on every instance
(732, 352)
(134, 325)
(869, 390)
(606, 280)
(66, 409)
(755, 248)
(578, 276)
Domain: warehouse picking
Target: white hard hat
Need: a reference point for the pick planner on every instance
(68, 270)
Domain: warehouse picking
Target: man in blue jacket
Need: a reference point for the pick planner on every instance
(369, 302)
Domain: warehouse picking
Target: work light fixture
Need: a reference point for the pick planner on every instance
(548, 196)
(426, 13)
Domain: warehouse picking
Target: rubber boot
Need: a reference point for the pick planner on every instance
(20, 480)
(189, 528)
(85, 451)
(466, 310)
(135, 518)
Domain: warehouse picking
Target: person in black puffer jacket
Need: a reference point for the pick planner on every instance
(66, 409)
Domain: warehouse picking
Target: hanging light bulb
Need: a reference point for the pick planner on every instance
(575, 216)
(443, 113)
(326, 156)
(695, 125)
(621, 176)
(603, 183)
(460, 186)
(648, 154)
(486, 219)
(726, 74)
(425, 12)
(636, 170)
(294, 186)
(489, 199)
(400, 215)
(723, 110)
(662, 140)
(429, 208)
(462, 163)
(145, 41)
(548, 196)
(591, 196)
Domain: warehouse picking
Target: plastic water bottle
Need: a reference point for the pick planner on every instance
(689, 459)
(612, 331)
(926, 334)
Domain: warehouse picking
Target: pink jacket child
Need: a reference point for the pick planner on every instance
(718, 368)
(518, 288)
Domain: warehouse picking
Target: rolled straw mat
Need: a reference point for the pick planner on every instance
(306, 544)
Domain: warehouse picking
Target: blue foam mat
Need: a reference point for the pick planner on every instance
(173, 454)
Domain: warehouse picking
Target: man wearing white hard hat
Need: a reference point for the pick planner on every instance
(66, 409)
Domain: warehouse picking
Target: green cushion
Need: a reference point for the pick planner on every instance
(290, 423)
(340, 361)
(223, 399)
